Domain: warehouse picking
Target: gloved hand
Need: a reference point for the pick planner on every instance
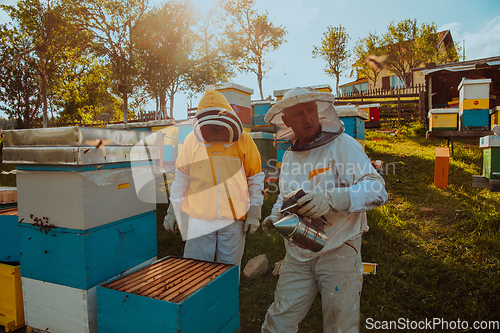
(268, 224)
(317, 204)
(170, 221)
(252, 221)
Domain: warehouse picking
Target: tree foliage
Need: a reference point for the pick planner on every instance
(164, 42)
(334, 51)
(19, 94)
(364, 48)
(113, 24)
(408, 46)
(47, 28)
(250, 37)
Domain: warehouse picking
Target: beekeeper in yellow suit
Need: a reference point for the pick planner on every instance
(341, 185)
(217, 193)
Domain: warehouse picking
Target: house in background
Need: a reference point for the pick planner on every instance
(387, 80)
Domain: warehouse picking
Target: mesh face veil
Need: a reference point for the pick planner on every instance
(328, 117)
(215, 120)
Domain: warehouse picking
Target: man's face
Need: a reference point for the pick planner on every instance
(303, 119)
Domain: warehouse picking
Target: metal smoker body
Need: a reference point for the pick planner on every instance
(301, 233)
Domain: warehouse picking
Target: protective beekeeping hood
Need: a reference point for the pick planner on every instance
(328, 117)
(215, 112)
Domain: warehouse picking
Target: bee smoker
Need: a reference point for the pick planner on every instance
(301, 233)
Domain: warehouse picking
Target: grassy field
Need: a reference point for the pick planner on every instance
(437, 250)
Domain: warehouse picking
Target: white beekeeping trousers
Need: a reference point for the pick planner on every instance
(204, 242)
(337, 275)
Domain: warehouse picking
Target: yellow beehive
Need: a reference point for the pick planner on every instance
(443, 119)
(474, 94)
(494, 116)
(11, 297)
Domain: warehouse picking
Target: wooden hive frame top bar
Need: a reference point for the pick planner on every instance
(172, 279)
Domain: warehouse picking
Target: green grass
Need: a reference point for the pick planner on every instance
(437, 250)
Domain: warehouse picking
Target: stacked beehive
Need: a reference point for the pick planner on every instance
(474, 104)
(491, 156)
(82, 220)
(354, 121)
(240, 99)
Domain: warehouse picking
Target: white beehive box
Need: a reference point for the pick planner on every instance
(474, 89)
(80, 200)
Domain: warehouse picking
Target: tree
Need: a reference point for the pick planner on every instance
(113, 24)
(334, 51)
(211, 60)
(81, 91)
(250, 36)
(19, 94)
(164, 42)
(48, 28)
(409, 46)
(364, 48)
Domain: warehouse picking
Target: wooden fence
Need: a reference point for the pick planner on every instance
(405, 104)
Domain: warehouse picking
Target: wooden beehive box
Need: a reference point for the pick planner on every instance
(9, 243)
(55, 308)
(171, 295)
(491, 156)
(239, 97)
(474, 94)
(474, 120)
(84, 258)
(264, 142)
(11, 297)
(445, 119)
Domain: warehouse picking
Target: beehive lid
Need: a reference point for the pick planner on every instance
(443, 111)
(171, 279)
(79, 146)
(489, 141)
(478, 81)
(229, 85)
(261, 135)
(351, 111)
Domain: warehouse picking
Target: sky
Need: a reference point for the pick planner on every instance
(473, 23)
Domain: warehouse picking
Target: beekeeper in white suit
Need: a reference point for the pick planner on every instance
(217, 193)
(341, 185)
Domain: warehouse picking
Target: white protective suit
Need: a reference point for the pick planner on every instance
(337, 270)
(217, 185)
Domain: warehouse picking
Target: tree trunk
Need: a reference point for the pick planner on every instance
(259, 80)
(43, 91)
(125, 107)
(172, 107)
(337, 76)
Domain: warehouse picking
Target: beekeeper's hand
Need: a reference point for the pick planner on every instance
(268, 223)
(317, 204)
(170, 221)
(252, 221)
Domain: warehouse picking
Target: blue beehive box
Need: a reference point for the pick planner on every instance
(84, 258)
(474, 119)
(171, 295)
(354, 126)
(260, 109)
(9, 244)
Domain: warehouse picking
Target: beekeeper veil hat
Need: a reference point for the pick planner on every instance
(215, 112)
(328, 117)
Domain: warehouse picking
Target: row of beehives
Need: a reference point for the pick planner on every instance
(82, 220)
(473, 111)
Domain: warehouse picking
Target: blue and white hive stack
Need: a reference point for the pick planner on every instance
(81, 219)
(474, 113)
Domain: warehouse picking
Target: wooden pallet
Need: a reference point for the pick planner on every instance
(9, 211)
